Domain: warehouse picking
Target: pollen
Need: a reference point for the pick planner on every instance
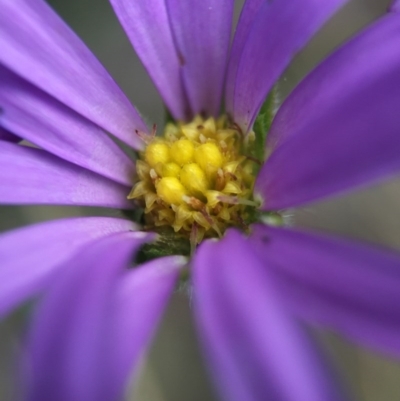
(196, 178)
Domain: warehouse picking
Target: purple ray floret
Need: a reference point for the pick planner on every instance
(98, 317)
(238, 308)
(252, 291)
(6, 135)
(395, 6)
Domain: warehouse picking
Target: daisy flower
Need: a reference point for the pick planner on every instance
(212, 189)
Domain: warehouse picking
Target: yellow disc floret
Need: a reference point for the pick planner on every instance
(196, 179)
(209, 157)
(168, 170)
(170, 190)
(157, 152)
(182, 151)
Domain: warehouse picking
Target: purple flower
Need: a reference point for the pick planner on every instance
(339, 129)
(395, 6)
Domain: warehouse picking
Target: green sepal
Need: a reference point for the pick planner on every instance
(168, 116)
(271, 218)
(168, 243)
(254, 215)
(135, 214)
(263, 123)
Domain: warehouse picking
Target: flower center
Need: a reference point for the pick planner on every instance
(196, 179)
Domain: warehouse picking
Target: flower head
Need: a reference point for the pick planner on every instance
(197, 180)
(208, 176)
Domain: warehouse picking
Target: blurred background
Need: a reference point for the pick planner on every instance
(173, 369)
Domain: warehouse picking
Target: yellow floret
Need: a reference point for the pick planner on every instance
(157, 152)
(170, 190)
(210, 125)
(182, 151)
(208, 157)
(194, 179)
(170, 170)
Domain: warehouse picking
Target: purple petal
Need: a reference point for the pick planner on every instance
(247, 16)
(280, 29)
(42, 120)
(147, 26)
(142, 298)
(30, 256)
(202, 30)
(36, 44)
(395, 6)
(256, 351)
(72, 347)
(6, 135)
(35, 176)
(340, 127)
(339, 284)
